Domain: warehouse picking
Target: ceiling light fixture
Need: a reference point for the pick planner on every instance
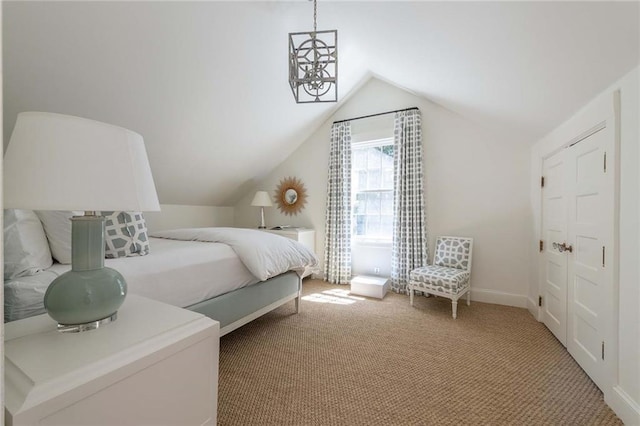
(313, 64)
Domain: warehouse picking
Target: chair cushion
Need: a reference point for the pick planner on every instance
(440, 278)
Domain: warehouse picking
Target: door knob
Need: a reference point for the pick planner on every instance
(562, 247)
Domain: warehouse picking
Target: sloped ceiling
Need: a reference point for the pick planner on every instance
(205, 83)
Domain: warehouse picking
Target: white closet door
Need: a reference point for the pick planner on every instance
(589, 287)
(554, 228)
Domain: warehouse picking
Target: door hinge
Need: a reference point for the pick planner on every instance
(603, 350)
(605, 161)
(541, 246)
(541, 181)
(539, 300)
(603, 256)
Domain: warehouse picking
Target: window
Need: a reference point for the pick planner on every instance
(372, 190)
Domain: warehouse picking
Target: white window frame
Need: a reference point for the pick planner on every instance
(367, 240)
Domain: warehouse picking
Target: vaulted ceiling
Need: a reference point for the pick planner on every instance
(205, 83)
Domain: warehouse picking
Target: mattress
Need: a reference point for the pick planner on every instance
(180, 273)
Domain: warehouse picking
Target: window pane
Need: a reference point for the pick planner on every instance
(360, 222)
(359, 159)
(386, 226)
(387, 178)
(387, 150)
(360, 204)
(362, 180)
(375, 179)
(373, 226)
(373, 203)
(386, 202)
(373, 159)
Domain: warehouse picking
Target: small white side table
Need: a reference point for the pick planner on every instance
(305, 236)
(156, 364)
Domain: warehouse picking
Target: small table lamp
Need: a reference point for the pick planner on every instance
(262, 200)
(60, 162)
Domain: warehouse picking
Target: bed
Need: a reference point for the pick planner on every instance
(232, 275)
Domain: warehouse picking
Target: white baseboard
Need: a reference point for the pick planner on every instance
(623, 405)
(498, 297)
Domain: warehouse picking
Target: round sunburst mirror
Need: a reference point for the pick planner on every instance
(291, 196)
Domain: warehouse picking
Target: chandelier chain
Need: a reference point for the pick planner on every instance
(315, 14)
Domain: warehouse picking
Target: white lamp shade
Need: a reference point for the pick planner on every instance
(60, 162)
(261, 199)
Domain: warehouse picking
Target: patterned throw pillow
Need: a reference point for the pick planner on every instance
(125, 234)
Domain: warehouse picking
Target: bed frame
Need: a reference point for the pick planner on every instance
(238, 307)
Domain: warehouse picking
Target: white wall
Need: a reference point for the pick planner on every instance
(173, 71)
(476, 185)
(173, 216)
(624, 393)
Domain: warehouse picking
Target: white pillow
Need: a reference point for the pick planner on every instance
(26, 251)
(57, 226)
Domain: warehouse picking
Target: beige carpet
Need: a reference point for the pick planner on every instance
(356, 361)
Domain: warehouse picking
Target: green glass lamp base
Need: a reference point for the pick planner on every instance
(81, 297)
(89, 295)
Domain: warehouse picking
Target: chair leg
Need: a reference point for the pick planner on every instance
(411, 296)
(469, 297)
(454, 307)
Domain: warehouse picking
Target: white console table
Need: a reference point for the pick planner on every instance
(156, 364)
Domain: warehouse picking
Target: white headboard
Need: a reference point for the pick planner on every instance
(173, 216)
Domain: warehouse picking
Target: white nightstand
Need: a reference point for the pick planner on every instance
(156, 364)
(303, 235)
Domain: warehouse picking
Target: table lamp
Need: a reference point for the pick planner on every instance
(262, 200)
(60, 162)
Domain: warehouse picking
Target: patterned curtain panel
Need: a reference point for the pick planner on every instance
(409, 249)
(337, 240)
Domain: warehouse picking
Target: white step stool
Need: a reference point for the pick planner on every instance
(369, 286)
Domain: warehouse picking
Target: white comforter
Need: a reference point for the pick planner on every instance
(265, 255)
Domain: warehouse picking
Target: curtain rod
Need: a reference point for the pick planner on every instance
(375, 115)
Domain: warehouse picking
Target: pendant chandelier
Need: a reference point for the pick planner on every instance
(313, 64)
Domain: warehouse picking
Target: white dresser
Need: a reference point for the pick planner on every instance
(156, 364)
